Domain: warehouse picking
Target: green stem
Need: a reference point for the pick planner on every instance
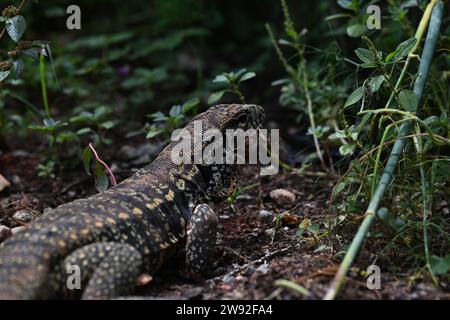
(418, 36)
(386, 177)
(425, 203)
(44, 84)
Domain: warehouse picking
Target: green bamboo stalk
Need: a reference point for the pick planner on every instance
(386, 178)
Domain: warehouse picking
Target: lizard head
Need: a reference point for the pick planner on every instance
(235, 116)
(221, 178)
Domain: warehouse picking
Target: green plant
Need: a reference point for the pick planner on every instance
(309, 88)
(230, 82)
(406, 107)
(101, 169)
(177, 116)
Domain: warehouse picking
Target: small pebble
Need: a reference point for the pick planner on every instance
(282, 196)
(264, 214)
(228, 279)
(17, 229)
(264, 268)
(4, 183)
(5, 233)
(23, 216)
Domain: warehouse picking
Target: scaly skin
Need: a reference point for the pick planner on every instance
(128, 230)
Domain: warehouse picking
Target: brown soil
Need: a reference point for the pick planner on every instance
(252, 253)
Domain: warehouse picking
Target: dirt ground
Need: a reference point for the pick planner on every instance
(254, 248)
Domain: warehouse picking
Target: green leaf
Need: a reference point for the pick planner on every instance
(356, 30)
(108, 124)
(153, 132)
(338, 16)
(101, 179)
(87, 156)
(346, 149)
(159, 116)
(404, 48)
(4, 74)
(364, 55)
(220, 79)
(216, 96)
(408, 100)
(440, 265)
(354, 97)
(247, 76)
(83, 131)
(280, 82)
(375, 83)
(15, 27)
(340, 187)
(348, 4)
(190, 104)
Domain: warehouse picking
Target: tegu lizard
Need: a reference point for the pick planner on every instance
(129, 230)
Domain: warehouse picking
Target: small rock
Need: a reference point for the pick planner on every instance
(249, 271)
(282, 196)
(71, 194)
(23, 216)
(264, 268)
(3, 183)
(228, 279)
(264, 214)
(17, 229)
(224, 216)
(270, 232)
(5, 233)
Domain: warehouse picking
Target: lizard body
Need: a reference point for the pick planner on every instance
(128, 230)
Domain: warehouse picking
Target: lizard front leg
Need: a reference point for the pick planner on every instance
(108, 269)
(201, 241)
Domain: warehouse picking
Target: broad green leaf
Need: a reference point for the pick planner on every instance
(404, 48)
(153, 133)
(83, 131)
(440, 265)
(101, 179)
(356, 30)
(247, 76)
(4, 74)
(346, 149)
(364, 55)
(340, 187)
(220, 78)
(216, 96)
(190, 104)
(375, 83)
(108, 124)
(408, 100)
(87, 156)
(239, 73)
(15, 27)
(354, 97)
(159, 116)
